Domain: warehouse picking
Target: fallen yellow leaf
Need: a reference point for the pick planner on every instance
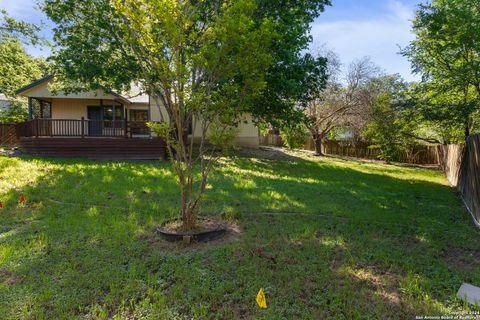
(261, 301)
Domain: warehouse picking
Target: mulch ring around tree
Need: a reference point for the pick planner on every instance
(208, 229)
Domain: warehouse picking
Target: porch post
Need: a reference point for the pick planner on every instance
(36, 128)
(30, 108)
(149, 114)
(113, 118)
(83, 127)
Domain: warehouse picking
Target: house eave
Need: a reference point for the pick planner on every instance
(47, 78)
(34, 84)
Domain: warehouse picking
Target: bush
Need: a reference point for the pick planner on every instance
(16, 112)
(222, 135)
(294, 137)
(386, 130)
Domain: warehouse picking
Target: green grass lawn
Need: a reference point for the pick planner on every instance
(325, 238)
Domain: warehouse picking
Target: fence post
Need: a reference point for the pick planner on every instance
(83, 127)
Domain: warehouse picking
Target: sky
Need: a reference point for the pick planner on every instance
(351, 28)
(375, 28)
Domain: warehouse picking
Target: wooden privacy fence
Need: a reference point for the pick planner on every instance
(273, 140)
(5, 128)
(417, 155)
(7, 133)
(461, 164)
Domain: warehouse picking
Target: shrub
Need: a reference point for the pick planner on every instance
(294, 137)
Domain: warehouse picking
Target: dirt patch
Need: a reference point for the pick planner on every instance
(391, 298)
(233, 233)
(8, 278)
(461, 258)
(378, 289)
(272, 153)
(204, 224)
(372, 278)
(262, 252)
(412, 244)
(384, 283)
(376, 161)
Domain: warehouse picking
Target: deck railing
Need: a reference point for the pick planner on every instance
(82, 128)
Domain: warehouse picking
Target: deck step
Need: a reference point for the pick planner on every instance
(95, 148)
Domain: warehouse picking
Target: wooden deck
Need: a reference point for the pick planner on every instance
(94, 148)
(65, 138)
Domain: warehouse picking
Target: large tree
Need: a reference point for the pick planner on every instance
(293, 71)
(339, 104)
(17, 67)
(12, 28)
(445, 114)
(202, 61)
(210, 61)
(389, 127)
(446, 52)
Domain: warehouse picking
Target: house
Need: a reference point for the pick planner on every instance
(99, 122)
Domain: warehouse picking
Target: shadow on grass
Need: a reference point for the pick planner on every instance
(324, 239)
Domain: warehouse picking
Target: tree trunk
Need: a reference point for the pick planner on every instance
(467, 131)
(189, 218)
(317, 139)
(188, 211)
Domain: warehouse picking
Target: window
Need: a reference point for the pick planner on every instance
(138, 115)
(108, 112)
(138, 119)
(41, 109)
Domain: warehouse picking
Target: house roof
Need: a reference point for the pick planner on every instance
(142, 98)
(113, 93)
(34, 84)
(137, 94)
(133, 97)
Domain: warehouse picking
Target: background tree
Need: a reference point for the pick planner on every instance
(17, 67)
(446, 53)
(293, 72)
(444, 114)
(338, 104)
(294, 136)
(389, 128)
(24, 31)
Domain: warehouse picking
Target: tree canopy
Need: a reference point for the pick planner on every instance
(337, 104)
(17, 67)
(99, 55)
(24, 31)
(446, 53)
